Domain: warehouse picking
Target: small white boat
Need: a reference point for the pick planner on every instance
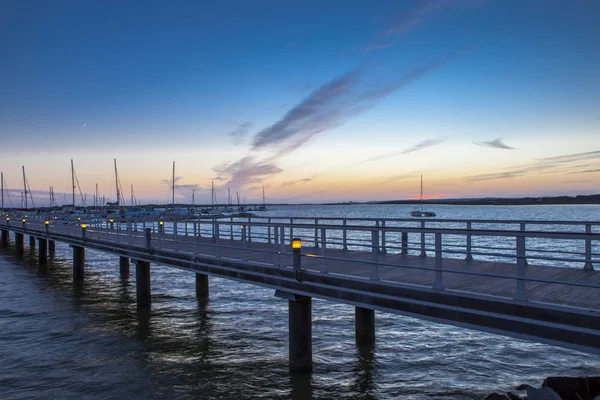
(421, 213)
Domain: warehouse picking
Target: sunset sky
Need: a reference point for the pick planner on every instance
(333, 100)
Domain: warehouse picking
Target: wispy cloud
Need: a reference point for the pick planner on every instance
(246, 171)
(408, 22)
(413, 19)
(331, 105)
(238, 134)
(585, 171)
(169, 182)
(500, 175)
(419, 146)
(590, 155)
(179, 186)
(495, 144)
(545, 166)
(290, 183)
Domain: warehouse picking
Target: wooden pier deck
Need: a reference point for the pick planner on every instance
(555, 305)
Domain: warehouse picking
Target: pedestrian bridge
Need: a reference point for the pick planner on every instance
(532, 280)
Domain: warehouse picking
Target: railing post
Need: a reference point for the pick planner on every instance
(281, 243)
(231, 228)
(316, 234)
(175, 236)
(216, 237)
(588, 250)
(148, 238)
(375, 255)
(345, 236)
(291, 228)
(323, 250)
(423, 252)
(523, 228)
(469, 256)
(437, 283)
(249, 229)
(196, 239)
(383, 249)
(269, 230)
(185, 224)
(244, 254)
(521, 265)
(404, 241)
(276, 234)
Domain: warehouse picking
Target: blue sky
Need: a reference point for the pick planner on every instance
(316, 101)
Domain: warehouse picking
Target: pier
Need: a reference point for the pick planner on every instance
(533, 280)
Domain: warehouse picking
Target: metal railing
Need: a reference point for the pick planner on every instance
(567, 244)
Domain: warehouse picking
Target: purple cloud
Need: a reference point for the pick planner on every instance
(419, 146)
(494, 144)
(246, 171)
(332, 105)
(238, 134)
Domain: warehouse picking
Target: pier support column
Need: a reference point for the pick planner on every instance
(78, 261)
(43, 251)
(124, 266)
(142, 283)
(202, 286)
(364, 326)
(32, 242)
(300, 327)
(4, 238)
(19, 242)
(51, 246)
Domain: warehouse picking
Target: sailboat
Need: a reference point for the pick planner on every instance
(421, 213)
(264, 206)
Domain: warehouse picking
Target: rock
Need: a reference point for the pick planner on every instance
(569, 388)
(544, 393)
(497, 396)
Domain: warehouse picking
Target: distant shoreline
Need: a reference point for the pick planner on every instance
(521, 201)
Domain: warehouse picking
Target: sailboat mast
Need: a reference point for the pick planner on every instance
(213, 198)
(73, 183)
(173, 188)
(193, 197)
(25, 186)
(117, 184)
(264, 196)
(96, 197)
(421, 192)
(2, 184)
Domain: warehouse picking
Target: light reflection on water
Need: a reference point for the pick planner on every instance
(62, 339)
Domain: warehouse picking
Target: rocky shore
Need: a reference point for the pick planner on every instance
(555, 388)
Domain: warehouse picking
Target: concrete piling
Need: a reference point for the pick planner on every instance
(19, 242)
(32, 242)
(142, 284)
(43, 251)
(300, 331)
(78, 261)
(202, 288)
(124, 266)
(5, 238)
(364, 326)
